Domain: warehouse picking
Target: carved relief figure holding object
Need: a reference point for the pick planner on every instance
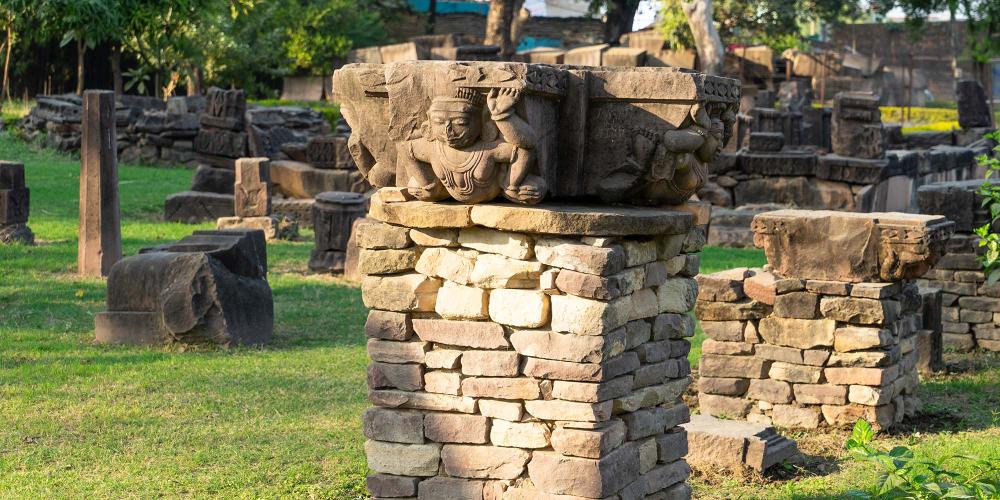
(464, 155)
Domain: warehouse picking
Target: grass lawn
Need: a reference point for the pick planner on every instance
(84, 420)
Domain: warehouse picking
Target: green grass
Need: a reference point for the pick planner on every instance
(84, 420)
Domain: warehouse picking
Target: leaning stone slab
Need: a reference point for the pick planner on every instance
(851, 247)
(713, 442)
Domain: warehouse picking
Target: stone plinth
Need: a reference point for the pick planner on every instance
(334, 214)
(100, 238)
(973, 106)
(14, 205)
(828, 333)
(970, 309)
(210, 287)
(734, 444)
(528, 352)
(252, 202)
(857, 126)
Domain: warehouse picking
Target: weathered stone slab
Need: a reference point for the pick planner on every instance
(555, 218)
(731, 444)
(850, 247)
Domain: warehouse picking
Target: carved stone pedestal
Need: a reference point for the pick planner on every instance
(274, 227)
(528, 352)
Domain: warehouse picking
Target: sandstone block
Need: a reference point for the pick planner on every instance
(397, 426)
(443, 382)
(730, 311)
(826, 287)
(804, 305)
(462, 302)
(389, 486)
(645, 304)
(421, 401)
(575, 256)
(822, 394)
(447, 359)
(861, 376)
(646, 397)
(569, 410)
(801, 374)
(637, 333)
(497, 271)
(475, 334)
(387, 261)
(673, 326)
(710, 346)
(599, 287)
(558, 474)
(724, 406)
(875, 290)
(842, 416)
(483, 462)
(420, 214)
(772, 391)
(490, 363)
(434, 237)
(569, 219)
(647, 455)
(504, 410)
(796, 417)
(677, 295)
(672, 445)
(723, 286)
(581, 372)
(454, 428)
(450, 487)
(588, 317)
(452, 265)
(800, 333)
(513, 245)
(388, 325)
(761, 287)
(723, 331)
(407, 292)
(639, 252)
(668, 479)
(568, 346)
(856, 338)
(531, 435)
(592, 392)
(588, 443)
(407, 377)
(723, 386)
(859, 310)
(714, 365)
(869, 396)
(403, 459)
(522, 308)
(501, 388)
(397, 352)
(373, 235)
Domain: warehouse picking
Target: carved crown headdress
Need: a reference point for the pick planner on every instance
(464, 99)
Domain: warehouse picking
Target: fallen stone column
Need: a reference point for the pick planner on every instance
(970, 309)
(528, 352)
(827, 332)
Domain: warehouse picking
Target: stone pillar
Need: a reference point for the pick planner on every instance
(528, 352)
(827, 333)
(14, 205)
(334, 214)
(970, 309)
(973, 105)
(252, 202)
(100, 240)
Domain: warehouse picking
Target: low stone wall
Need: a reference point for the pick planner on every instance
(828, 333)
(527, 352)
(156, 132)
(970, 309)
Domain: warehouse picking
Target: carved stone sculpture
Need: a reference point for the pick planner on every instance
(476, 131)
(14, 205)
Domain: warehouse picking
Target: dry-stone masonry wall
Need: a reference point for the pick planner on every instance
(527, 352)
(970, 309)
(828, 332)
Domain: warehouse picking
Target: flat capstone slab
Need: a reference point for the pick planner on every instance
(734, 444)
(545, 218)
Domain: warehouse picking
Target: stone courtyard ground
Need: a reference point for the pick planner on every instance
(83, 420)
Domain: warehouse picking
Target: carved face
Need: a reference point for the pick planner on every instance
(458, 129)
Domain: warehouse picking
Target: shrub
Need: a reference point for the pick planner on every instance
(991, 201)
(904, 476)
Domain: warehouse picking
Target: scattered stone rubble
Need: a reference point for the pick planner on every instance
(970, 309)
(528, 352)
(15, 204)
(828, 333)
(209, 287)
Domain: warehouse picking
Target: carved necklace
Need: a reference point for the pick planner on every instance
(458, 175)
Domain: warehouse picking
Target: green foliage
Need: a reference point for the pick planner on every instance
(328, 109)
(990, 193)
(902, 475)
(918, 115)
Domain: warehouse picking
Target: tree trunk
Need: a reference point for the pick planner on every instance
(706, 38)
(498, 26)
(81, 50)
(194, 81)
(521, 18)
(619, 19)
(6, 64)
(116, 69)
(431, 17)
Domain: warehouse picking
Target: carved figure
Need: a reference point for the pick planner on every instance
(463, 155)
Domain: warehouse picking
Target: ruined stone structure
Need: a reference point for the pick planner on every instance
(536, 351)
(334, 214)
(526, 342)
(15, 204)
(970, 309)
(322, 164)
(209, 287)
(829, 331)
(252, 202)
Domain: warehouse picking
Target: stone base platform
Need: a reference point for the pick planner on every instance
(274, 227)
(713, 443)
(302, 180)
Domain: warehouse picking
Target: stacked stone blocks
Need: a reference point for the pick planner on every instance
(824, 341)
(527, 352)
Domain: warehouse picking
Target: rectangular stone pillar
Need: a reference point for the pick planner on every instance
(827, 333)
(528, 352)
(14, 196)
(252, 193)
(100, 241)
